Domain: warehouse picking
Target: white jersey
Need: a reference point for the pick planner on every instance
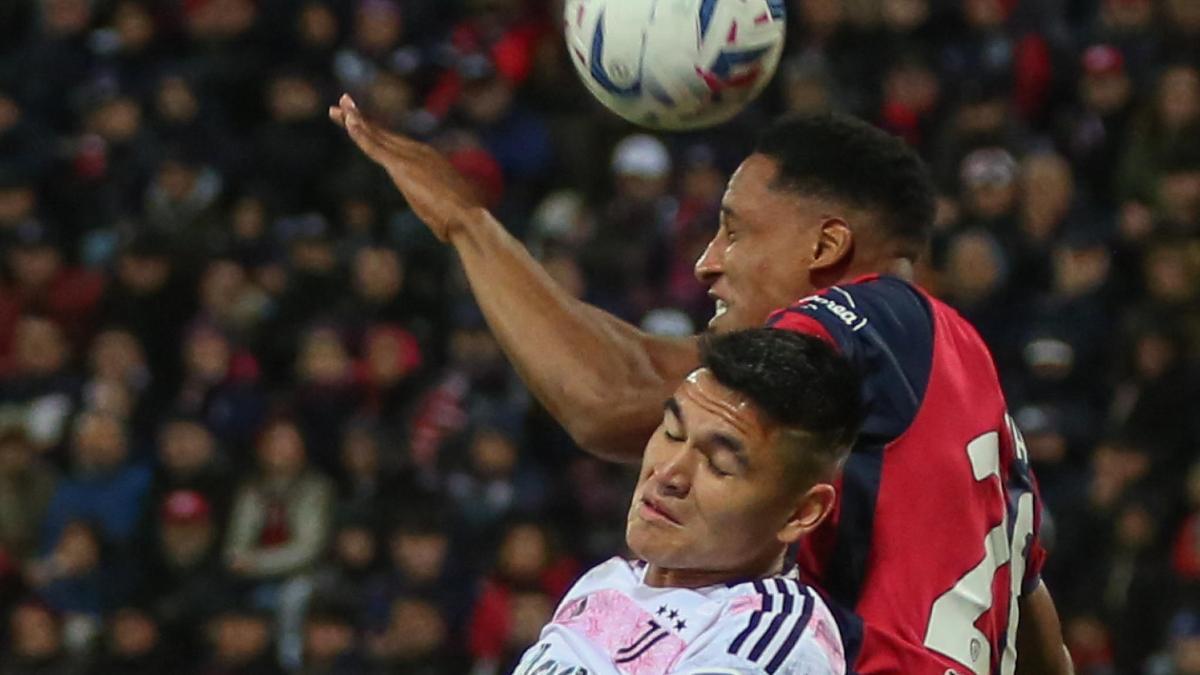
(611, 622)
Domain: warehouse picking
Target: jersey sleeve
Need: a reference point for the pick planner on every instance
(790, 633)
(1021, 486)
(884, 327)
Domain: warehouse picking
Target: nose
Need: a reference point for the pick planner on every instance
(674, 473)
(711, 263)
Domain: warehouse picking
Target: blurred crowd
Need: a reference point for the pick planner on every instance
(252, 422)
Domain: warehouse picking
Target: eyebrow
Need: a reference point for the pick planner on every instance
(725, 441)
(672, 406)
(728, 210)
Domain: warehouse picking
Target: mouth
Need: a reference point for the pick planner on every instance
(720, 306)
(651, 511)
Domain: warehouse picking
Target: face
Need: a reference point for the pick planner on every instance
(714, 492)
(355, 547)
(100, 442)
(40, 346)
(420, 556)
(325, 640)
(116, 355)
(524, 554)
(416, 627)
(360, 454)
(1179, 96)
(240, 639)
(743, 267)
(133, 633)
(1107, 92)
(34, 267)
(378, 274)
(176, 101)
(324, 359)
(281, 451)
(15, 455)
(493, 454)
(186, 447)
(35, 634)
(292, 98)
(317, 25)
(134, 24)
(187, 544)
(207, 354)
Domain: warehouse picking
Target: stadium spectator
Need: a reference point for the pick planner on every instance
(35, 643)
(278, 529)
(134, 645)
(185, 582)
(26, 487)
(240, 644)
(331, 642)
(103, 486)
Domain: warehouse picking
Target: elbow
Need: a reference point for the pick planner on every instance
(602, 434)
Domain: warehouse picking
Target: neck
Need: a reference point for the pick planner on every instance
(664, 577)
(884, 263)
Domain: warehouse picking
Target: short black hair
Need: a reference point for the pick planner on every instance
(799, 381)
(843, 158)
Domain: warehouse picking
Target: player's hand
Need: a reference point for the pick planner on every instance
(435, 191)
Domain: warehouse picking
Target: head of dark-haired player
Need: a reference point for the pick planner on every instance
(823, 198)
(744, 461)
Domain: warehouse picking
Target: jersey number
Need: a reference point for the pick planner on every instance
(952, 630)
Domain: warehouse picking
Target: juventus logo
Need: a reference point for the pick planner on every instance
(650, 637)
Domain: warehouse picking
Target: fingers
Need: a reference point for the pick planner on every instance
(364, 137)
(384, 147)
(337, 115)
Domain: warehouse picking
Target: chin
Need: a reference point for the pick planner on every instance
(644, 543)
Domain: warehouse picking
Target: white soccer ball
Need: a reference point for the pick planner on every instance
(675, 64)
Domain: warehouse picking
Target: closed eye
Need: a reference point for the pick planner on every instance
(712, 466)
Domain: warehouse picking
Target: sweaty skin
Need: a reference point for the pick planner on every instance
(600, 377)
(716, 499)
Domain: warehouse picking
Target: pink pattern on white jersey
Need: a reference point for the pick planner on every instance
(637, 644)
(827, 637)
(746, 603)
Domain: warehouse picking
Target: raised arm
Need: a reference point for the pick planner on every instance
(1040, 649)
(601, 378)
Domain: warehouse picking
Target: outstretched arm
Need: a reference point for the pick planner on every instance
(1040, 649)
(601, 378)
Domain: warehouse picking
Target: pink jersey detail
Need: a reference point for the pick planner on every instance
(746, 603)
(615, 624)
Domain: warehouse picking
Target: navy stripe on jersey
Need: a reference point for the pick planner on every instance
(785, 621)
(789, 643)
(765, 639)
(736, 645)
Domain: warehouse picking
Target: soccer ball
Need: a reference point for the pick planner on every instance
(675, 64)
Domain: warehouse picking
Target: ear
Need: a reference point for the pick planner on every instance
(833, 246)
(811, 510)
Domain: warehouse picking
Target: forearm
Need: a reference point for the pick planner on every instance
(1040, 649)
(601, 378)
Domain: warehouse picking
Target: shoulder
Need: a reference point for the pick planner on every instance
(882, 306)
(776, 626)
(885, 327)
(616, 572)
